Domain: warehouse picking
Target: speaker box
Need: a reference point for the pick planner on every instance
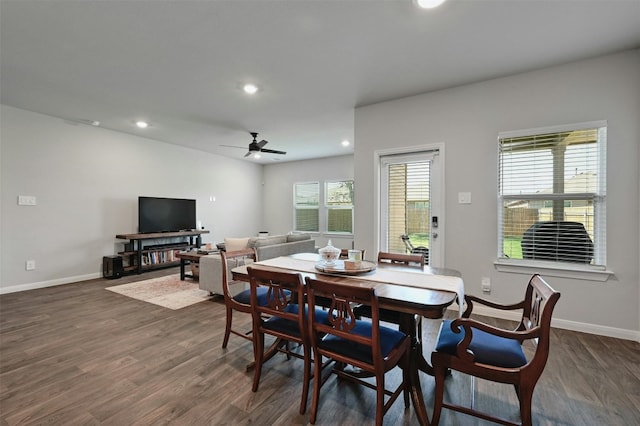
(112, 267)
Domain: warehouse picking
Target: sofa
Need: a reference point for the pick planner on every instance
(267, 247)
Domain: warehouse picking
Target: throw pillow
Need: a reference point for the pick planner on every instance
(233, 244)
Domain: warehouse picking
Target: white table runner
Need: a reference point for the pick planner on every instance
(383, 275)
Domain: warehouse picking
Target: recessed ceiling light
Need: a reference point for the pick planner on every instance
(428, 4)
(250, 88)
(142, 124)
(346, 143)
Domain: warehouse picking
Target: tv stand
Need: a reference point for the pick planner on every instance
(141, 257)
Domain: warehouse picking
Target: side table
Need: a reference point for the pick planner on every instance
(189, 257)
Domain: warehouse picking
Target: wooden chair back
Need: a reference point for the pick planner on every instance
(283, 288)
(342, 320)
(416, 259)
(230, 260)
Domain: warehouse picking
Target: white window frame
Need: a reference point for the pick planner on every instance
(596, 272)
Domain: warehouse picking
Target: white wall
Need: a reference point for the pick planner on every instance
(278, 192)
(467, 120)
(87, 181)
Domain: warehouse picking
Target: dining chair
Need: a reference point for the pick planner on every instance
(280, 316)
(414, 259)
(363, 343)
(480, 350)
(236, 296)
(400, 259)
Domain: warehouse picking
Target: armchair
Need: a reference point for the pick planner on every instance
(480, 350)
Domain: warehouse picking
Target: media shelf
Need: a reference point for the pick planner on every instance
(141, 256)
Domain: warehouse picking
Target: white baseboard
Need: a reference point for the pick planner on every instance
(600, 330)
(618, 333)
(49, 283)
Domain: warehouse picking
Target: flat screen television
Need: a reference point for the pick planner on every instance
(166, 214)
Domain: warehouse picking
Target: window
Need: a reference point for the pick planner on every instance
(307, 206)
(552, 193)
(339, 206)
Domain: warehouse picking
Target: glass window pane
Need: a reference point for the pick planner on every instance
(551, 188)
(307, 204)
(307, 220)
(340, 220)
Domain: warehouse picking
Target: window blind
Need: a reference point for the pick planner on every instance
(306, 206)
(552, 193)
(406, 192)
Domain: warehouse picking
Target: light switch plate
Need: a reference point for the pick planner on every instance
(464, 198)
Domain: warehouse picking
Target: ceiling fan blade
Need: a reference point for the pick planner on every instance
(262, 143)
(233, 146)
(248, 154)
(273, 151)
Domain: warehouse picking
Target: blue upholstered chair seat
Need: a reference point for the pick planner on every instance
(389, 339)
(291, 327)
(245, 296)
(487, 348)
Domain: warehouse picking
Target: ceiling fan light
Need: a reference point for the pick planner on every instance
(256, 155)
(250, 88)
(428, 4)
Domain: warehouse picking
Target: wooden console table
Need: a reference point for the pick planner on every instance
(191, 257)
(161, 255)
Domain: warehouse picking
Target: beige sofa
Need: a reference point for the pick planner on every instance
(266, 248)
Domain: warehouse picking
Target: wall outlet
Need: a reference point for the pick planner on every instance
(30, 265)
(26, 200)
(486, 284)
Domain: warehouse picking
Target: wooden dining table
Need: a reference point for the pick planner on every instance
(410, 291)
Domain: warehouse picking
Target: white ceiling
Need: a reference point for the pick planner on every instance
(181, 64)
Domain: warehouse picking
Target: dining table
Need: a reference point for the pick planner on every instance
(413, 292)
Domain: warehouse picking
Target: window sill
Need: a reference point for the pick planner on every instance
(590, 273)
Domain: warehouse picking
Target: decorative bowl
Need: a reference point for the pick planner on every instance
(329, 254)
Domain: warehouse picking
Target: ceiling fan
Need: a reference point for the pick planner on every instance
(255, 146)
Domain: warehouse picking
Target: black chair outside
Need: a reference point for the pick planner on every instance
(494, 354)
(362, 343)
(558, 241)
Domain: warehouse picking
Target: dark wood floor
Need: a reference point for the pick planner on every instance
(80, 355)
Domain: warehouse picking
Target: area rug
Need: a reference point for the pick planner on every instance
(168, 292)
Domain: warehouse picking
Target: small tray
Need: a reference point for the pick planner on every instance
(350, 268)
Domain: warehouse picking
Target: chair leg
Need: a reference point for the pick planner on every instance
(307, 378)
(380, 399)
(258, 355)
(227, 327)
(439, 374)
(525, 396)
(406, 378)
(317, 382)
